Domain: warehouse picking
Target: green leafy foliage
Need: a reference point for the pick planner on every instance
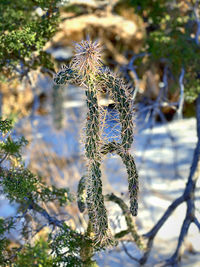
(18, 183)
(176, 47)
(36, 255)
(5, 125)
(6, 225)
(61, 195)
(3, 241)
(21, 186)
(148, 9)
(13, 147)
(71, 242)
(170, 38)
(8, 147)
(25, 27)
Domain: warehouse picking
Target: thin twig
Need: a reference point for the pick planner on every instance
(131, 67)
(172, 139)
(127, 253)
(14, 255)
(39, 229)
(128, 217)
(45, 214)
(165, 80)
(4, 157)
(152, 233)
(181, 99)
(196, 222)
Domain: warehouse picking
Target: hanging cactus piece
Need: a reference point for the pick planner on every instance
(81, 194)
(86, 69)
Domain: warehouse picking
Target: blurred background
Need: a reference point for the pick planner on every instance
(150, 44)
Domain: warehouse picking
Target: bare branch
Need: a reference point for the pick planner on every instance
(165, 80)
(198, 116)
(165, 216)
(4, 157)
(45, 214)
(152, 233)
(128, 254)
(196, 222)
(129, 219)
(181, 99)
(135, 76)
(184, 229)
(189, 193)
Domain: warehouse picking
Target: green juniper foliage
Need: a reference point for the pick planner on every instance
(86, 69)
(37, 255)
(5, 125)
(5, 226)
(25, 27)
(172, 38)
(60, 245)
(20, 185)
(12, 147)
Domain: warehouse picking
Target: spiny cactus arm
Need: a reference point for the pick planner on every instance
(95, 201)
(67, 75)
(125, 114)
(92, 126)
(129, 162)
(83, 67)
(110, 147)
(96, 209)
(117, 90)
(81, 194)
(129, 220)
(119, 93)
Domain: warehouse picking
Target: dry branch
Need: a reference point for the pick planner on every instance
(188, 197)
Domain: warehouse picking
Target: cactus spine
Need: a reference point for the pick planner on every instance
(86, 69)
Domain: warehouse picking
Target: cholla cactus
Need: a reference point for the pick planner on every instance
(86, 69)
(87, 59)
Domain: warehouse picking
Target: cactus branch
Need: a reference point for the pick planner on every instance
(95, 201)
(81, 194)
(129, 220)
